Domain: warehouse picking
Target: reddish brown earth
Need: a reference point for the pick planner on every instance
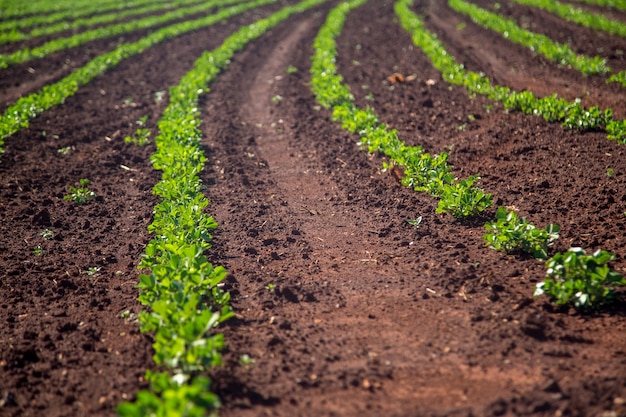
(368, 316)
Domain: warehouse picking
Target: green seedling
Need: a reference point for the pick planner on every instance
(415, 223)
(47, 234)
(64, 151)
(246, 360)
(584, 281)
(38, 251)
(82, 194)
(513, 234)
(610, 172)
(277, 99)
(270, 287)
(158, 96)
(93, 271)
(142, 134)
(463, 199)
(291, 69)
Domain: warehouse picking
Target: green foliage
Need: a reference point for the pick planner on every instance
(80, 194)
(463, 199)
(172, 396)
(47, 234)
(618, 77)
(37, 251)
(415, 222)
(616, 4)
(579, 16)
(584, 281)
(182, 289)
(422, 171)
(142, 134)
(59, 44)
(540, 44)
(18, 115)
(513, 234)
(59, 22)
(551, 108)
(291, 69)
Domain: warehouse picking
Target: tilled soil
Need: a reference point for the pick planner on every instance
(345, 308)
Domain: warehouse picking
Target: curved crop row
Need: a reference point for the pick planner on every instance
(553, 109)
(15, 11)
(616, 4)
(182, 289)
(559, 53)
(18, 115)
(422, 171)
(92, 8)
(99, 19)
(579, 16)
(56, 45)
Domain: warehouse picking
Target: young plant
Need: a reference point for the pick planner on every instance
(38, 251)
(47, 234)
(93, 271)
(81, 194)
(291, 69)
(513, 234)
(142, 134)
(415, 223)
(584, 281)
(463, 199)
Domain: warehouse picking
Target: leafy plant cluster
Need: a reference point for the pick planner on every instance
(99, 19)
(513, 234)
(18, 115)
(59, 44)
(80, 194)
(142, 134)
(553, 109)
(579, 16)
(541, 44)
(11, 29)
(584, 281)
(422, 171)
(618, 77)
(182, 288)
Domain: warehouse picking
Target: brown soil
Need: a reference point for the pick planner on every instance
(369, 315)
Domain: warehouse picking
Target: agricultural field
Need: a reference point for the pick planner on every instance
(313, 208)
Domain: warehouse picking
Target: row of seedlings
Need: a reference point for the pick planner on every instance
(60, 44)
(18, 115)
(552, 108)
(99, 19)
(590, 286)
(182, 289)
(422, 171)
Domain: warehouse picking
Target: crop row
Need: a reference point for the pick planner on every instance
(553, 109)
(66, 15)
(541, 44)
(182, 290)
(26, 54)
(18, 115)
(17, 9)
(14, 36)
(616, 4)
(579, 16)
(422, 171)
(566, 284)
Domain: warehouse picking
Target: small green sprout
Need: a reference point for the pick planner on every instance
(80, 195)
(369, 97)
(142, 134)
(415, 223)
(64, 151)
(277, 99)
(47, 234)
(291, 69)
(270, 287)
(38, 251)
(93, 271)
(246, 360)
(158, 96)
(610, 172)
